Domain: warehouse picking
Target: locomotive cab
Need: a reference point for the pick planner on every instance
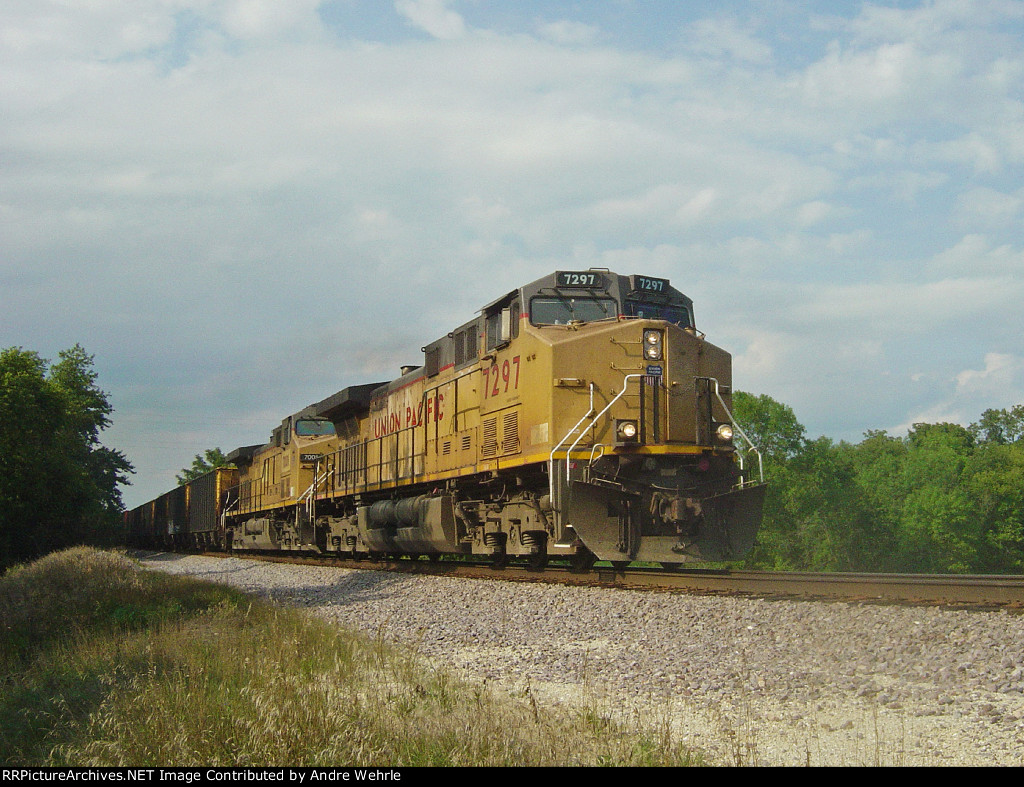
(276, 480)
(312, 437)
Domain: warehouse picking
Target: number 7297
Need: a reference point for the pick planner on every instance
(501, 378)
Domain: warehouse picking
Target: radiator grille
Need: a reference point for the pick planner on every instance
(489, 447)
(510, 433)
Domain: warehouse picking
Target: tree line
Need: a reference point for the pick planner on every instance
(943, 499)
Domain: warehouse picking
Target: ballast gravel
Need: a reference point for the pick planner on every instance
(745, 681)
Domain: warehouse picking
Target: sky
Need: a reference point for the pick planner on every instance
(240, 207)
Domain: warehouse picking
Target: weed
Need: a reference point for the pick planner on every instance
(161, 670)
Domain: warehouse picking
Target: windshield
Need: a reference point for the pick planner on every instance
(306, 427)
(562, 311)
(669, 312)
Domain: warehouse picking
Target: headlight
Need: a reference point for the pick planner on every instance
(626, 432)
(652, 345)
(724, 433)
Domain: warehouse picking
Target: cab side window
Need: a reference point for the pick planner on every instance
(502, 323)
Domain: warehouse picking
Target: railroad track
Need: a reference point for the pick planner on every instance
(975, 591)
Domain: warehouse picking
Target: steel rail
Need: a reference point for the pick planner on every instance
(986, 590)
(943, 589)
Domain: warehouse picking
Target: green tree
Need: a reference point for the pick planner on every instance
(58, 484)
(202, 464)
(774, 429)
(770, 425)
(944, 499)
(995, 482)
(999, 426)
(879, 477)
(938, 530)
(815, 517)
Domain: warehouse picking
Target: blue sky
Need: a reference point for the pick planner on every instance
(242, 206)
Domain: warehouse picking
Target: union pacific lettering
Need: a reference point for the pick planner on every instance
(429, 411)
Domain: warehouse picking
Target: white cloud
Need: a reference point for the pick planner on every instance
(724, 36)
(50, 29)
(569, 32)
(813, 212)
(434, 17)
(998, 385)
(975, 257)
(1002, 375)
(844, 244)
(107, 29)
(668, 202)
(980, 151)
(931, 20)
(890, 81)
(254, 19)
(907, 186)
(987, 207)
(903, 308)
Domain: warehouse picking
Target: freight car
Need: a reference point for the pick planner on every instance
(190, 516)
(580, 416)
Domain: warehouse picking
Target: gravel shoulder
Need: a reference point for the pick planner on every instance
(746, 681)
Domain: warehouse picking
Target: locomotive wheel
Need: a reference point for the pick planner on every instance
(582, 561)
(538, 561)
(500, 560)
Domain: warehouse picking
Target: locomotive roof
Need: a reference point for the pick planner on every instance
(350, 401)
(243, 455)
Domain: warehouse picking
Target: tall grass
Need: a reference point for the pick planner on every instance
(104, 663)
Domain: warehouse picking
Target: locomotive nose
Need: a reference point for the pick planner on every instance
(716, 528)
(728, 526)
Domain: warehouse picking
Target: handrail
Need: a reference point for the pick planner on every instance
(307, 496)
(229, 504)
(594, 420)
(738, 428)
(551, 458)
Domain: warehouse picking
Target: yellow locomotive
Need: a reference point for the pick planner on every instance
(581, 416)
